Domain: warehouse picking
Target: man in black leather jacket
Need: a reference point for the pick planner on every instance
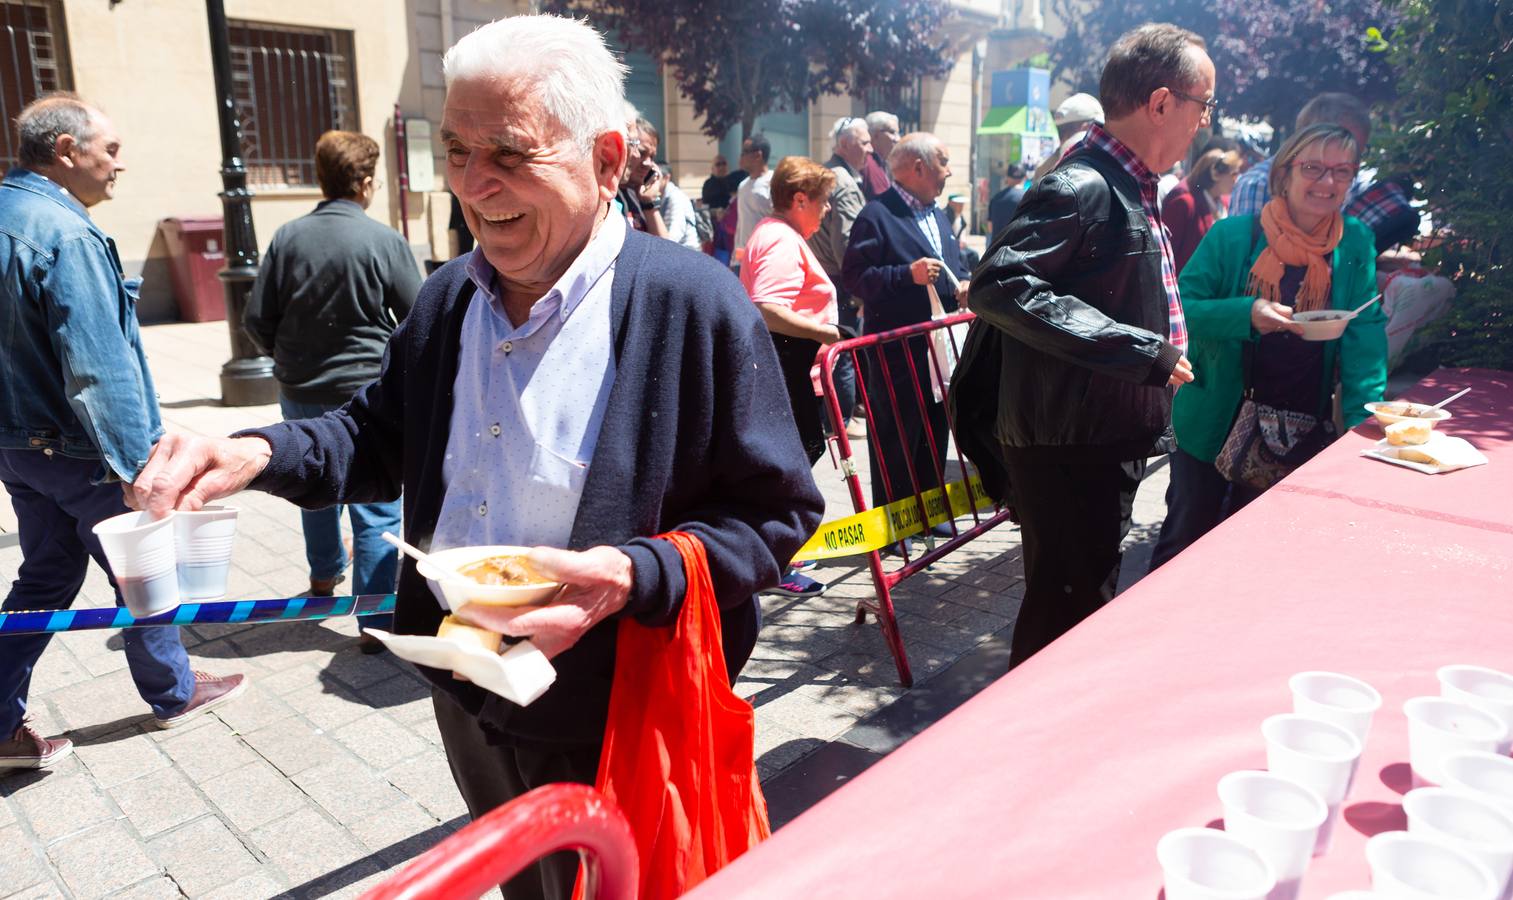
(1066, 381)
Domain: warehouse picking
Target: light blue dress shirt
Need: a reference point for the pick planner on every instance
(924, 219)
(528, 404)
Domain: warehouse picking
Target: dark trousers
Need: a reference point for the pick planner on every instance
(796, 358)
(1072, 519)
(489, 776)
(896, 439)
(1197, 499)
(56, 508)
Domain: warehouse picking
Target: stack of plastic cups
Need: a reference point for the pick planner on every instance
(141, 554)
(1470, 823)
(1412, 867)
(1438, 727)
(1316, 754)
(1206, 864)
(1486, 689)
(203, 540)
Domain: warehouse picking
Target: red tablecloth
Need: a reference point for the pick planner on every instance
(1058, 780)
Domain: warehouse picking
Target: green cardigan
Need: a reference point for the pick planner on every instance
(1218, 322)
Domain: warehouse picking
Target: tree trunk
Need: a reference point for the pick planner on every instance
(748, 122)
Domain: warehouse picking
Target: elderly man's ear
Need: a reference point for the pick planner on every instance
(610, 155)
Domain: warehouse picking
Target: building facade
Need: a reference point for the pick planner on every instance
(303, 66)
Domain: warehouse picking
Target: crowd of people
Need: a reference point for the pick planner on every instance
(612, 362)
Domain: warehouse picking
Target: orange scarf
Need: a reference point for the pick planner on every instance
(1289, 245)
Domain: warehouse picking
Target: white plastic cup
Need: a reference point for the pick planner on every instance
(1465, 820)
(141, 554)
(1338, 699)
(1438, 727)
(1409, 867)
(1278, 818)
(1488, 775)
(1316, 754)
(1486, 689)
(203, 540)
(1207, 864)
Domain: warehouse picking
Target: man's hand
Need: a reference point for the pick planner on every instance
(651, 187)
(596, 585)
(961, 296)
(1269, 318)
(925, 270)
(187, 471)
(1182, 374)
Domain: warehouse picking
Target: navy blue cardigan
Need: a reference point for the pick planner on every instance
(884, 241)
(698, 436)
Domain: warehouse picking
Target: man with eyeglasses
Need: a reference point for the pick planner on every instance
(1066, 382)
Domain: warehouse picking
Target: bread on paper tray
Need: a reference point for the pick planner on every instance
(1440, 453)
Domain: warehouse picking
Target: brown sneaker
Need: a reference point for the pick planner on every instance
(210, 691)
(27, 749)
(324, 587)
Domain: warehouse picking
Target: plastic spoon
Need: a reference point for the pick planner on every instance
(1444, 401)
(417, 554)
(1355, 312)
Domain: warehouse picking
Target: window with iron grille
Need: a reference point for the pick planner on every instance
(904, 103)
(33, 61)
(290, 85)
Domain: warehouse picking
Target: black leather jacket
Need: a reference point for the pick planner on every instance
(1069, 358)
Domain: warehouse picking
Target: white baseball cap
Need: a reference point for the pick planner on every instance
(1078, 108)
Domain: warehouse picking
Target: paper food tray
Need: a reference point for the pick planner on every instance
(1451, 453)
(520, 674)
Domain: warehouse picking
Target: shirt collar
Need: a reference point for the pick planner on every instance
(38, 183)
(914, 202)
(569, 291)
(1098, 137)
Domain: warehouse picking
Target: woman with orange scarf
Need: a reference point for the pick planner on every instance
(1239, 291)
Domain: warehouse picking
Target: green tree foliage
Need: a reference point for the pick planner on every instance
(738, 59)
(1452, 130)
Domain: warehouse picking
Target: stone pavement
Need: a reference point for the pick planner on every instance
(329, 772)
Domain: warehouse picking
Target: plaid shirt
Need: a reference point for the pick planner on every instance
(1380, 202)
(1148, 180)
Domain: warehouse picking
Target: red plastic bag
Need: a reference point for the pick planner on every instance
(678, 749)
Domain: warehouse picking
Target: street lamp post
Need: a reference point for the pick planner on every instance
(246, 378)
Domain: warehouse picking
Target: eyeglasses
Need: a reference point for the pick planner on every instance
(1210, 106)
(1315, 172)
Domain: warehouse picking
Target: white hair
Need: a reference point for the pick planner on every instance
(580, 83)
(920, 145)
(879, 120)
(846, 125)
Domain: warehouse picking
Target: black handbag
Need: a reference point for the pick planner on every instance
(1266, 443)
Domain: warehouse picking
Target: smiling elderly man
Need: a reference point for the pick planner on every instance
(569, 385)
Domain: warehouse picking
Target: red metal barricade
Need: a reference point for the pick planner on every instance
(493, 849)
(913, 384)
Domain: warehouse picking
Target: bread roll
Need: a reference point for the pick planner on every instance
(458, 631)
(1417, 456)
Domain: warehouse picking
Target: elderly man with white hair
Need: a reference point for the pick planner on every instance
(852, 144)
(883, 128)
(573, 386)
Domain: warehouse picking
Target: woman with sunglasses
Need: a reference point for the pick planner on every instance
(1239, 292)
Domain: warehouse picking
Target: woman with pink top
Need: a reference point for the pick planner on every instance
(797, 301)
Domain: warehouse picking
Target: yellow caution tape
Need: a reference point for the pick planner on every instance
(875, 529)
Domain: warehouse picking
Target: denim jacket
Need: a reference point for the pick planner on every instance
(73, 377)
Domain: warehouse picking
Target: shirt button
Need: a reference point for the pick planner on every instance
(495, 430)
(507, 346)
(483, 509)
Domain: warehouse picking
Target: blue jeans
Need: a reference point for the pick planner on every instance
(56, 508)
(375, 562)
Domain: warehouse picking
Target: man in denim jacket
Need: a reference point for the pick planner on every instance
(77, 409)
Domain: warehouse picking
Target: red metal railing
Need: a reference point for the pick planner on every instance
(884, 581)
(493, 849)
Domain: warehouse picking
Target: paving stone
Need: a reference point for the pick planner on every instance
(254, 710)
(259, 886)
(805, 716)
(351, 881)
(288, 681)
(348, 792)
(399, 833)
(100, 705)
(203, 855)
(252, 795)
(46, 890)
(293, 745)
(7, 815)
(358, 670)
(112, 762)
(428, 781)
(207, 751)
(61, 805)
(157, 802)
(328, 708)
(21, 865)
(159, 888)
(57, 669)
(306, 845)
(101, 860)
(380, 741)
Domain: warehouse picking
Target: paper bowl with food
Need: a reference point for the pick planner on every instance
(1391, 412)
(494, 576)
(1323, 324)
